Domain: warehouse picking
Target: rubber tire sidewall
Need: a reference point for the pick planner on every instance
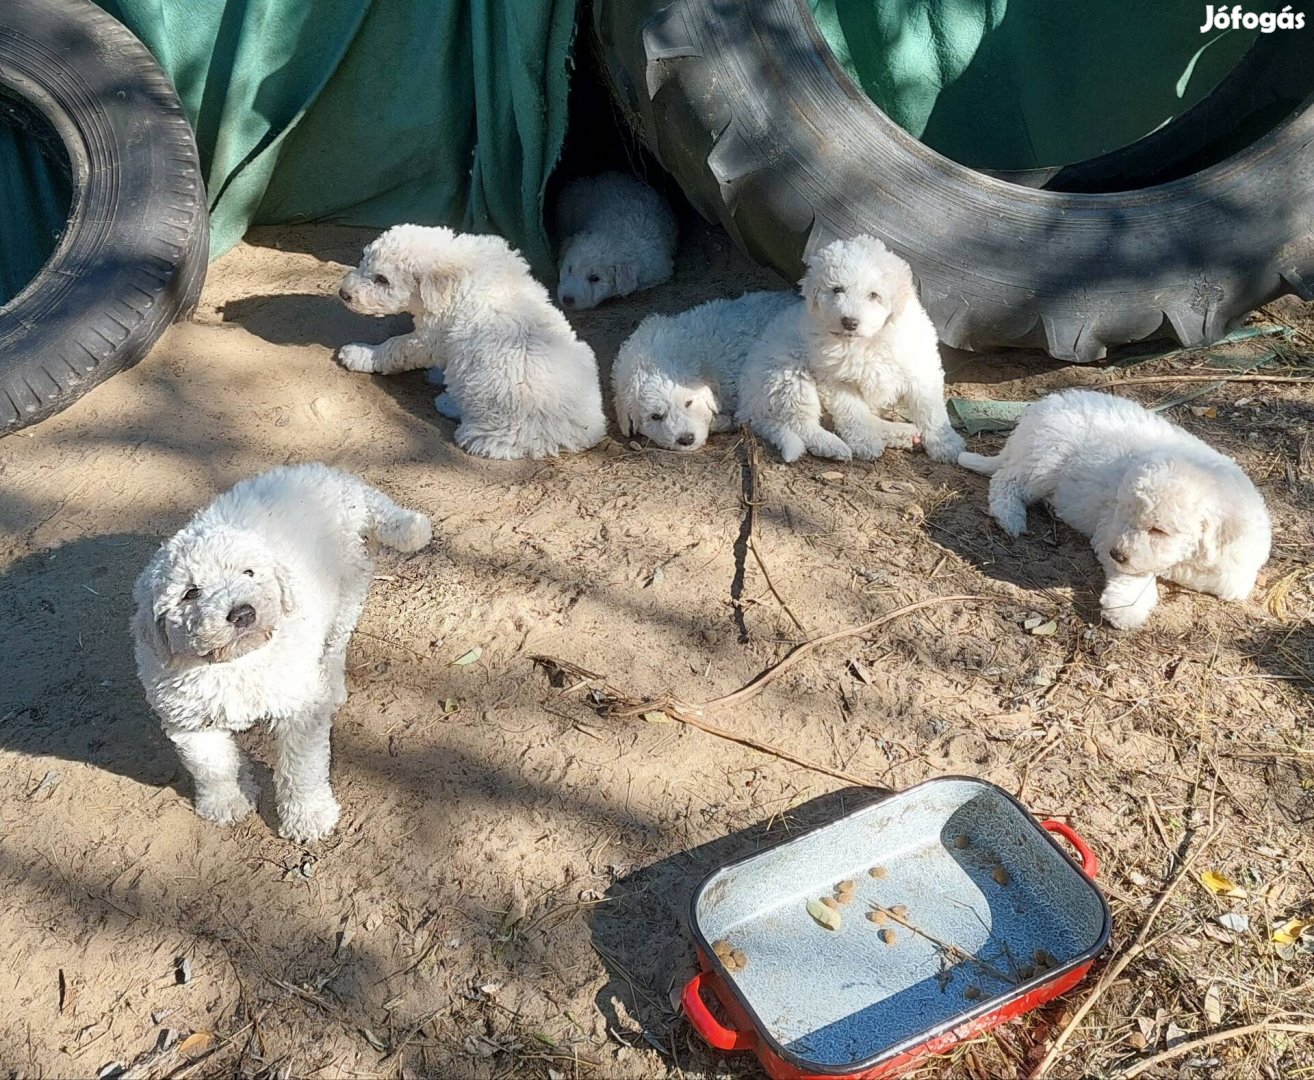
(132, 257)
(745, 105)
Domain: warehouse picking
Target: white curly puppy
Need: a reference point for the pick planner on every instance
(516, 376)
(676, 378)
(860, 343)
(245, 615)
(1156, 501)
(617, 237)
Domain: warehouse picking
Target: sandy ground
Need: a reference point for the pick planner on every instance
(507, 891)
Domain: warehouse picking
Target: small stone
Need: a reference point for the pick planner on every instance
(1000, 875)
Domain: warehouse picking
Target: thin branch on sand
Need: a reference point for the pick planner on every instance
(1209, 1040)
(1138, 946)
(615, 702)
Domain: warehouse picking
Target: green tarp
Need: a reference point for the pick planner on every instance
(1021, 84)
(368, 112)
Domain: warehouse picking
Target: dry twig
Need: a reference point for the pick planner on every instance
(1138, 945)
(1217, 377)
(617, 703)
(1209, 1040)
(952, 951)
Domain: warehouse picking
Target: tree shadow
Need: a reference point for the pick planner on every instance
(52, 604)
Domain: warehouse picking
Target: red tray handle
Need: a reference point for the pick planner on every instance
(714, 1032)
(1089, 862)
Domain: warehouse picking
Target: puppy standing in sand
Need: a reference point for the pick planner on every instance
(859, 344)
(245, 615)
(617, 237)
(676, 377)
(516, 377)
(1155, 501)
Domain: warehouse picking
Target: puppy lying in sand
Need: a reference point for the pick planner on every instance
(245, 615)
(1155, 501)
(861, 343)
(517, 378)
(617, 237)
(676, 378)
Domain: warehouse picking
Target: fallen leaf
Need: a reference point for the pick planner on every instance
(450, 705)
(1217, 933)
(196, 1043)
(1291, 931)
(860, 672)
(1208, 412)
(373, 921)
(468, 658)
(1174, 1035)
(1045, 629)
(182, 970)
(1137, 878)
(824, 915)
(1213, 1005)
(1147, 1025)
(831, 476)
(374, 1040)
(1032, 621)
(1238, 924)
(1221, 886)
(655, 717)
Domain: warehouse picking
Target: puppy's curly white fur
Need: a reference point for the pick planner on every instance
(1156, 501)
(516, 376)
(245, 615)
(676, 378)
(859, 344)
(617, 237)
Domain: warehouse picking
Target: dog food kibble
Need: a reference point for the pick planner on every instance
(972, 993)
(846, 886)
(721, 947)
(877, 872)
(845, 897)
(878, 917)
(889, 937)
(899, 911)
(1001, 875)
(823, 915)
(740, 958)
(830, 902)
(961, 841)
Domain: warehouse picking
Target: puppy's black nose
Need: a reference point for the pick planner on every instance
(569, 301)
(686, 439)
(242, 616)
(1117, 555)
(342, 292)
(849, 322)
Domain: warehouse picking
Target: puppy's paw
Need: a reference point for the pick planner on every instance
(446, 407)
(227, 804)
(357, 357)
(867, 449)
(435, 376)
(899, 436)
(944, 446)
(306, 820)
(409, 534)
(1122, 617)
(827, 444)
(1012, 519)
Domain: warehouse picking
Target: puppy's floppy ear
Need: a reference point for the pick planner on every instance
(1219, 528)
(148, 619)
(626, 278)
(286, 596)
(432, 284)
(708, 395)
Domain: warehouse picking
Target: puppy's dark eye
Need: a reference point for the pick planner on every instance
(249, 573)
(594, 279)
(192, 593)
(873, 296)
(838, 290)
(658, 417)
(689, 404)
(379, 279)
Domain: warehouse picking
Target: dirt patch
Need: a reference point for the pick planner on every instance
(506, 894)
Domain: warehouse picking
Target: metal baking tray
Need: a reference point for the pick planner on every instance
(999, 918)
